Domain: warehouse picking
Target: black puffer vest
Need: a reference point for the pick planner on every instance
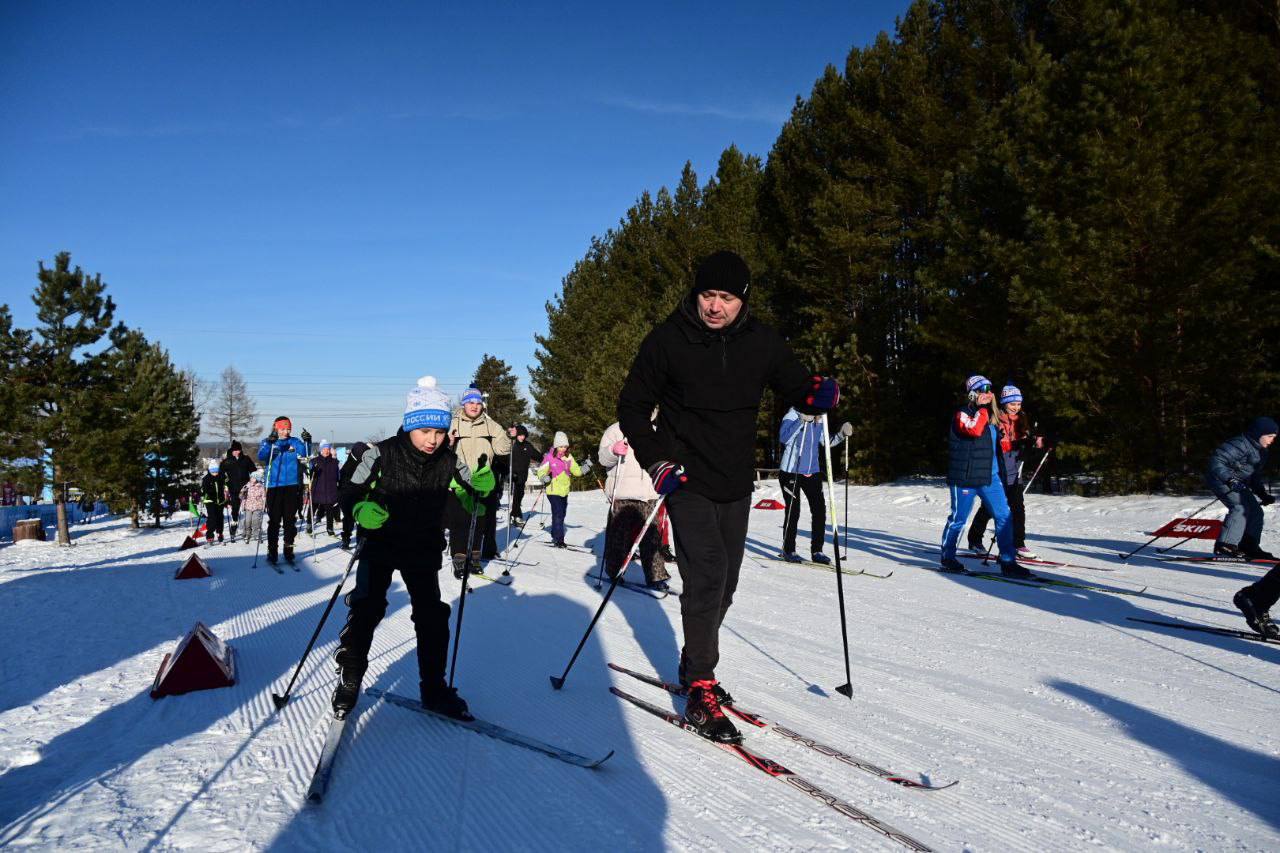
(412, 486)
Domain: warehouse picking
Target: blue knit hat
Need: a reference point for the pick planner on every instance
(214, 467)
(1260, 427)
(473, 395)
(1010, 394)
(427, 407)
(973, 383)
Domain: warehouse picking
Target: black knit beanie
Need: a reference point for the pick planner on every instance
(725, 271)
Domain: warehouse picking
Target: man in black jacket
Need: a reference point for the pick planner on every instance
(523, 454)
(237, 467)
(706, 367)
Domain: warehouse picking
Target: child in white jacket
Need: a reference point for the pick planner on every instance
(632, 498)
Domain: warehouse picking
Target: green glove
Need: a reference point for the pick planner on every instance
(370, 515)
(483, 481)
(465, 497)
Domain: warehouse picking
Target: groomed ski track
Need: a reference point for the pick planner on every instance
(1072, 727)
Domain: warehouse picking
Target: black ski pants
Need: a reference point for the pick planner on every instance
(235, 508)
(710, 539)
(282, 507)
(485, 539)
(326, 513)
(213, 521)
(792, 487)
(1265, 591)
(419, 568)
(1017, 517)
(517, 496)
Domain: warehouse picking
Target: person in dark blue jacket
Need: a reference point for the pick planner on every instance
(281, 452)
(1235, 476)
(975, 471)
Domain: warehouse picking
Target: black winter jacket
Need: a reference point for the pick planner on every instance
(237, 471)
(1240, 458)
(213, 488)
(412, 487)
(324, 480)
(707, 385)
(523, 454)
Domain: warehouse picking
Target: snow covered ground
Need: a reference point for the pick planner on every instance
(1069, 726)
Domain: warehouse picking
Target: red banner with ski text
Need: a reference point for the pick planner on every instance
(1190, 528)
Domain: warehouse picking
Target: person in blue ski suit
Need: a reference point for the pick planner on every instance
(284, 490)
(975, 471)
(801, 471)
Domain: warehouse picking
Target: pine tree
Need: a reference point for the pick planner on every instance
(232, 409)
(503, 401)
(61, 379)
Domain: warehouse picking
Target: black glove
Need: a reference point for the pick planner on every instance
(272, 438)
(1235, 484)
(1265, 499)
(306, 437)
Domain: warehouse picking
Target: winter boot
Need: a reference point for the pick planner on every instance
(1256, 553)
(459, 566)
(1224, 549)
(952, 566)
(1027, 554)
(667, 556)
(476, 566)
(446, 701)
(288, 554)
(820, 558)
(703, 714)
(790, 557)
(351, 669)
(659, 586)
(1011, 569)
(1259, 621)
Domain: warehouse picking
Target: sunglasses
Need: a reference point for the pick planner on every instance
(983, 389)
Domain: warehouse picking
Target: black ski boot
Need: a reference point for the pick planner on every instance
(459, 566)
(272, 558)
(445, 700)
(1259, 621)
(722, 695)
(350, 673)
(1256, 553)
(1223, 549)
(703, 714)
(952, 566)
(1011, 569)
(288, 554)
(667, 556)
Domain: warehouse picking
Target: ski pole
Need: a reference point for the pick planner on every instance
(462, 594)
(1154, 538)
(847, 688)
(1036, 472)
(516, 560)
(604, 548)
(281, 700)
(258, 546)
(1189, 538)
(558, 683)
(846, 497)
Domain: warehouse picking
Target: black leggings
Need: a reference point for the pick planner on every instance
(811, 486)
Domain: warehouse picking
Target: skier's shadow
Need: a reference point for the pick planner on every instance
(1245, 777)
(411, 777)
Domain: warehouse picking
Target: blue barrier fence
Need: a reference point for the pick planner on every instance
(47, 513)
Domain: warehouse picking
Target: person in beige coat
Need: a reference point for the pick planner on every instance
(478, 440)
(632, 498)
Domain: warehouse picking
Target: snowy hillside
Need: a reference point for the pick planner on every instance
(1069, 726)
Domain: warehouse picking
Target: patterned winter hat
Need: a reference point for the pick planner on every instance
(473, 395)
(561, 440)
(255, 474)
(1010, 394)
(214, 467)
(973, 383)
(427, 407)
(324, 443)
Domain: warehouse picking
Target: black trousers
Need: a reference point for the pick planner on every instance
(624, 525)
(419, 568)
(282, 508)
(811, 487)
(213, 522)
(235, 508)
(710, 539)
(485, 539)
(1017, 515)
(517, 496)
(326, 513)
(348, 522)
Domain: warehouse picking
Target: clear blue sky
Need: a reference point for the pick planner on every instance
(339, 198)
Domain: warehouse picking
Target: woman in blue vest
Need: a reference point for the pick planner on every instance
(975, 471)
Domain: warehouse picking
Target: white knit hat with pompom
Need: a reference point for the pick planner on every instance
(427, 407)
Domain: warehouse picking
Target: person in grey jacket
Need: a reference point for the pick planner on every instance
(1235, 477)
